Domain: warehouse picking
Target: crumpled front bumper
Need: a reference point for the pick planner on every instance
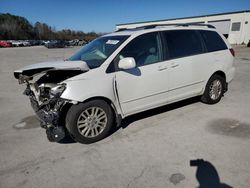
(49, 118)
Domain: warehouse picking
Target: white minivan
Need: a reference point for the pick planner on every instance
(124, 73)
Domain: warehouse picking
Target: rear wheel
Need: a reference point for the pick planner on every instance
(214, 90)
(89, 122)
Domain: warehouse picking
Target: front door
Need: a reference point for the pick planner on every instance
(146, 85)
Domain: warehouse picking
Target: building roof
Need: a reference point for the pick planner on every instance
(226, 13)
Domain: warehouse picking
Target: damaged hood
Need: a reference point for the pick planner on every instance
(31, 70)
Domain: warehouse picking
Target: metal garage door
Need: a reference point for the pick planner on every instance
(222, 26)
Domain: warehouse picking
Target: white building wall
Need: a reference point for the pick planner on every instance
(234, 37)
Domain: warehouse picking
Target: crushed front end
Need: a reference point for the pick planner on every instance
(47, 104)
(44, 87)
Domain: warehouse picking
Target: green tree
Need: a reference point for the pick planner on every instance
(19, 28)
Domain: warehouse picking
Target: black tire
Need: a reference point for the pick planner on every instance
(206, 97)
(74, 114)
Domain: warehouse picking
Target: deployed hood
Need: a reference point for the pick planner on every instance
(31, 70)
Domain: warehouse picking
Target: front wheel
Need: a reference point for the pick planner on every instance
(214, 90)
(89, 122)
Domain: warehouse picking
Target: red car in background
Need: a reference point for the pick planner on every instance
(5, 44)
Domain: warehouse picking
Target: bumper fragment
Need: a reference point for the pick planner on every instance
(49, 119)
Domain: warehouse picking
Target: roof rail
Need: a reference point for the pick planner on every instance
(174, 24)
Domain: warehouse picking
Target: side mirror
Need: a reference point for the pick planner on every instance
(127, 63)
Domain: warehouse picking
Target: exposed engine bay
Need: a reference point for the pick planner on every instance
(44, 89)
(45, 99)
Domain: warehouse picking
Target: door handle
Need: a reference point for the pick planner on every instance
(173, 65)
(160, 68)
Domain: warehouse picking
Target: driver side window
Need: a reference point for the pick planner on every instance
(144, 49)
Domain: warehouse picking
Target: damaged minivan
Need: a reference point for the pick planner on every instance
(124, 73)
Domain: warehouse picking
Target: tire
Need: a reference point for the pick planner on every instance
(213, 97)
(86, 128)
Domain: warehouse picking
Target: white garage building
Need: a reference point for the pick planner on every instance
(235, 26)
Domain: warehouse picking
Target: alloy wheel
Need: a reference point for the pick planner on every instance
(92, 122)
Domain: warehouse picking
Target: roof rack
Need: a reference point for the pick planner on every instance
(174, 24)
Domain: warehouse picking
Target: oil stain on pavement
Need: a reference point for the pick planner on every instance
(28, 123)
(230, 127)
(176, 178)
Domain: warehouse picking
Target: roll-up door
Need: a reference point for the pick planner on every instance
(223, 26)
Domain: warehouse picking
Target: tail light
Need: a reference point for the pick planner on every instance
(232, 51)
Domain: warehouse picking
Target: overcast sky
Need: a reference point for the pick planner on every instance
(102, 15)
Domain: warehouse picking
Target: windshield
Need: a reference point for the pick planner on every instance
(96, 52)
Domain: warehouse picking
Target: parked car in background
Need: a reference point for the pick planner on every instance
(5, 44)
(35, 42)
(127, 72)
(26, 43)
(56, 44)
(44, 42)
(73, 42)
(16, 43)
(20, 43)
(82, 42)
(77, 42)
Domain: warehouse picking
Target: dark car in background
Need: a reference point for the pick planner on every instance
(35, 42)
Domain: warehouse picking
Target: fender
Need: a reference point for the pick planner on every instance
(83, 90)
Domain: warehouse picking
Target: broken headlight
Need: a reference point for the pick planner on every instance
(57, 90)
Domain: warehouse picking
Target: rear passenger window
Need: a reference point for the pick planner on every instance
(213, 41)
(182, 43)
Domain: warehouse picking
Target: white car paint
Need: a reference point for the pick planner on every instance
(143, 88)
(81, 65)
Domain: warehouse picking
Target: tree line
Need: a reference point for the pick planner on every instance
(19, 28)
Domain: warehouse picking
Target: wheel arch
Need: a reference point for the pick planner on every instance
(206, 92)
(223, 75)
(114, 109)
(220, 73)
